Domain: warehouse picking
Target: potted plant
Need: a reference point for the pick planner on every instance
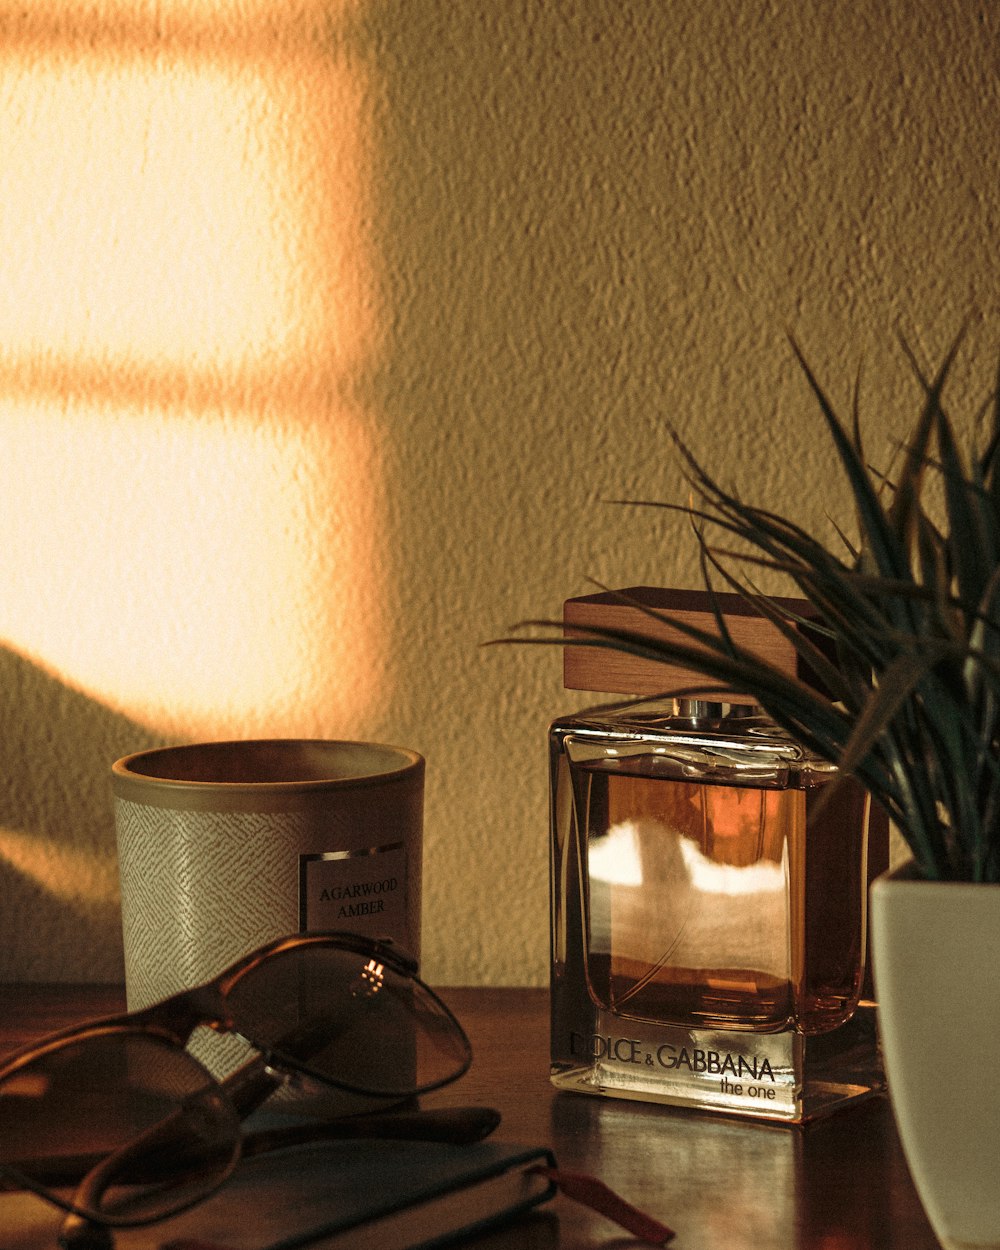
(906, 641)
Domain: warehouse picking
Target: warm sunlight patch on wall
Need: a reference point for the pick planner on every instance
(188, 516)
(179, 214)
(145, 232)
(161, 568)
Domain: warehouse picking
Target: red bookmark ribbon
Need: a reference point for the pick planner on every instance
(592, 1193)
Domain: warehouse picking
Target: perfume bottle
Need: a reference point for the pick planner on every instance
(709, 886)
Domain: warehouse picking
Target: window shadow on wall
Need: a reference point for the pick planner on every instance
(58, 867)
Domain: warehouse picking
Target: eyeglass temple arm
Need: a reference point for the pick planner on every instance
(250, 1086)
(457, 1126)
(253, 1083)
(77, 1229)
(247, 1088)
(143, 1147)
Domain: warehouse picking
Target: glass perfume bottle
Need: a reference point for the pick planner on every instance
(709, 885)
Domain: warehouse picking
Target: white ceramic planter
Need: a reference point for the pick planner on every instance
(936, 951)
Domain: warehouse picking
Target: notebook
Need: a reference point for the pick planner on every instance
(394, 1195)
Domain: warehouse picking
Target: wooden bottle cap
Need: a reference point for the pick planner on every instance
(602, 670)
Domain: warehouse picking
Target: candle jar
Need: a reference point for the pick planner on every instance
(709, 886)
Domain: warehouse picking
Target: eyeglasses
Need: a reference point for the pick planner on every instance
(116, 1122)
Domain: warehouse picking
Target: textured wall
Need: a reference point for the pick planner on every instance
(327, 327)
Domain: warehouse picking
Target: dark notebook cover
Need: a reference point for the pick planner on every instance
(386, 1194)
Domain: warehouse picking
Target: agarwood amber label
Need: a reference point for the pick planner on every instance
(362, 891)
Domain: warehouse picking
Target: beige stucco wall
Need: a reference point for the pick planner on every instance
(326, 329)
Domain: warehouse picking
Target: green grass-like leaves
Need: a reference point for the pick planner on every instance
(908, 634)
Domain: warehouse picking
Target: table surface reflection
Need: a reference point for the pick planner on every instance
(721, 1183)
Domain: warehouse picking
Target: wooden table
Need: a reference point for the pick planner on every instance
(722, 1184)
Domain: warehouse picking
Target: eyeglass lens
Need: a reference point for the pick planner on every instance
(350, 1019)
(152, 1131)
(128, 1097)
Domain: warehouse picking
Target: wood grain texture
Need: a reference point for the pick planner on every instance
(614, 672)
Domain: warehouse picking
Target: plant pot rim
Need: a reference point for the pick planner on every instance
(908, 875)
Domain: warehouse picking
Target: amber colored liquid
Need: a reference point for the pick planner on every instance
(721, 906)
